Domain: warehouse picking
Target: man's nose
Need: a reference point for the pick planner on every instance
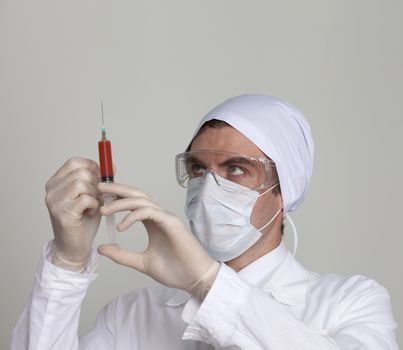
(212, 173)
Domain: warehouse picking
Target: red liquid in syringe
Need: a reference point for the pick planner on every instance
(105, 154)
(105, 159)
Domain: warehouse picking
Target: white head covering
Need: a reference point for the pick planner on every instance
(281, 132)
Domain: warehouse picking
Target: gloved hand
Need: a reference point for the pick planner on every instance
(72, 199)
(174, 257)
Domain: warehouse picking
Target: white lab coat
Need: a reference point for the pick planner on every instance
(272, 304)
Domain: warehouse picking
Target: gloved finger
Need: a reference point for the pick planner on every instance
(79, 187)
(82, 203)
(121, 191)
(125, 204)
(83, 174)
(122, 257)
(133, 217)
(57, 196)
(72, 164)
(147, 215)
(75, 175)
(126, 222)
(93, 211)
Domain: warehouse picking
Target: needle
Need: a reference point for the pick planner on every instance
(103, 122)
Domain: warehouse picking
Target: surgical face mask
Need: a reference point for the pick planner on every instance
(219, 216)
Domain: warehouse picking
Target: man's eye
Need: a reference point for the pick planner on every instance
(235, 170)
(197, 170)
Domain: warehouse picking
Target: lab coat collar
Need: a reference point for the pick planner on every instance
(288, 283)
(261, 270)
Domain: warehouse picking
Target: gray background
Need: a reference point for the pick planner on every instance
(159, 66)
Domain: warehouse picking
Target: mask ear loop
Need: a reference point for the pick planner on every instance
(295, 233)
(271, 220)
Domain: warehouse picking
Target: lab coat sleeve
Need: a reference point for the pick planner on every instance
(50, 319)
(237, 315)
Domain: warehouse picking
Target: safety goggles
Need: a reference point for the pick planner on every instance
(250, 172)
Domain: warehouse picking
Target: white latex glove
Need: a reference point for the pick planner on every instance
(174, 257)
(72, 199)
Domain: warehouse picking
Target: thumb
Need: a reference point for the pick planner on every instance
(121, 256)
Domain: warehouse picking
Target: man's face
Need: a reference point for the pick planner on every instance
(228, 139)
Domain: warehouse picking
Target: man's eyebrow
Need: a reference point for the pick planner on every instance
(229, 161)
(193, 159)
(238, 160)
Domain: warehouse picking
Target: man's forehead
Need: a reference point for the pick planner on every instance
(225, 139)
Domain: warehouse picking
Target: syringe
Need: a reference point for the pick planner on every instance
(106, 167)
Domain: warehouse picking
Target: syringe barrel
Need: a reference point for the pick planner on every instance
(105, 160)
(110, 220)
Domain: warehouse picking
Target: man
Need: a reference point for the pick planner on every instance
(233, 283)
